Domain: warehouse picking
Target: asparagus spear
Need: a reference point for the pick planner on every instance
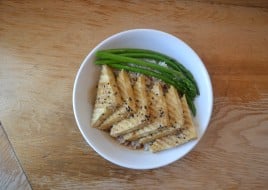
(175, 75)
(143, 53)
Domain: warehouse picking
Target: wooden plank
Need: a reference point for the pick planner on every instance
(11, 174)
(245, 3)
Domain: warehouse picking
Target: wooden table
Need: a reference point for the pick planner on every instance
(42, 44)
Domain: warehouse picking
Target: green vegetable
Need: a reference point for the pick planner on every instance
(191, 104)
(172, 74)
(143, 53)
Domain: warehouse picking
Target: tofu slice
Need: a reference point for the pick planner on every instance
(108, 98)
(175, 113)
(138, 119)
(159, 115)
(129, 105)
(185, 134)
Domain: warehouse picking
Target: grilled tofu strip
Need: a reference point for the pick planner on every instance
(138, 119)
(185, 134)
(159, 115)
(128, 107)
(175, 114)
(108, 98)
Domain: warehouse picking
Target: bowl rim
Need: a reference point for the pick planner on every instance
(74, 103)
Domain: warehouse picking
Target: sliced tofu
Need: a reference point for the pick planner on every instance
(175, 113)
(158, 117)
(129, 105)
(185, 134)
(108, 98)
(138, 119)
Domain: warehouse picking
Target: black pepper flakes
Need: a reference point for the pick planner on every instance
(161, 113)
(128, 109)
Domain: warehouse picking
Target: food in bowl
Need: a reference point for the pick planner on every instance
(84, 94)
(144, 99)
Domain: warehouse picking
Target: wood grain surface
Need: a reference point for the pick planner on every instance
(42, 44)
(11, 174)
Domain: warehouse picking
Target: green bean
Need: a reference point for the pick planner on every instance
(143, 53)
(191, 104)
(178, 76)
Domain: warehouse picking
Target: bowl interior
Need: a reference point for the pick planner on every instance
(85, 92)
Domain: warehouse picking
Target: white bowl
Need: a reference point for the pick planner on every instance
(84, 93)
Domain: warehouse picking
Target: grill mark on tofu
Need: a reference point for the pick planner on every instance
(183, 135)
(158, 114)
(175, 113)
(139, 118)
(129, 106)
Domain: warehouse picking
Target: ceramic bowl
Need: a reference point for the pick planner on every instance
(84, 93)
